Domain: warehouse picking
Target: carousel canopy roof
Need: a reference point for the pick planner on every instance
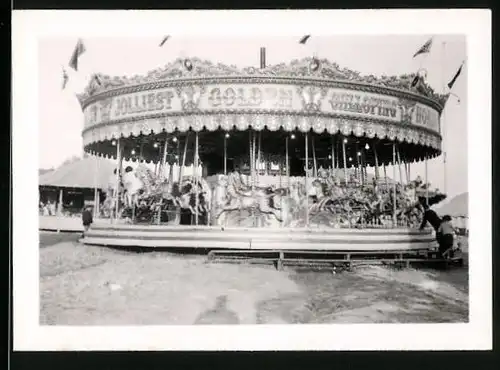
(306, 96)
(458, 206)
(87, 172)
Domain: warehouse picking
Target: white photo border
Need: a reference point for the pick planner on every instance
(29, 26)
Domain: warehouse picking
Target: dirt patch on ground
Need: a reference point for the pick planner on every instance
(82, 285)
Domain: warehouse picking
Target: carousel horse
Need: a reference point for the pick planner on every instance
(183, 195)
(239, 198)
(132, 185)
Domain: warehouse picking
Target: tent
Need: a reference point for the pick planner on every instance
(458, 209)
(76, 183)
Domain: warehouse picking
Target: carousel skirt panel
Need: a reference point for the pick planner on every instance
(263, 239)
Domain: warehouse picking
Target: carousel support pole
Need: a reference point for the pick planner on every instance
(394, 182)
(141, 154)
(164, 158)
(399, 166)
(307, 180)
(344, 140)
(259, 158)
(385, 177)
(426, 184)
(118, 177)
(96, 191)
(315, 165)
(197, 184)
(225, 154)
(333, 155)
(408, 167)
(60, 203)
(357, 169)
(183, 163)
(255, 172)
(376, 162)
(287, 163)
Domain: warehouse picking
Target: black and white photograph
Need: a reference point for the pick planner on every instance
(252, 184)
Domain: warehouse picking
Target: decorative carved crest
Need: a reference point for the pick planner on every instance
(311, 97)
(105, 109)
(407, 107)
(190, 96)
(296, 68)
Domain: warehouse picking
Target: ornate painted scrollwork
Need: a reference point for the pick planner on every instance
(328, 71)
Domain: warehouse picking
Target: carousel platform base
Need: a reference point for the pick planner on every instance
(204, 239)
(337, 260)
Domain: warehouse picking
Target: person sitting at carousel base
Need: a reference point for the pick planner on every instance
(446, 239)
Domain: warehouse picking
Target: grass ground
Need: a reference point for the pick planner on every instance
(83, 285)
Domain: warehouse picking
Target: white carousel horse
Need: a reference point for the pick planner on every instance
(132, 184)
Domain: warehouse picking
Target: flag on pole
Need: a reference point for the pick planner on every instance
(97, 80)
(65, 78)
(304, 39)
(425, 48)
(164, 40)
(79, 50)
(454, 79)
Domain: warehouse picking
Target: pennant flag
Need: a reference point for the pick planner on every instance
(454, 79)
(79, 50)
(304, 39)
(65, 78)
(425, 48)
(164, 40)
(97, 80)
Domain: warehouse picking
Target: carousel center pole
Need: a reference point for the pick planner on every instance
(307, 179)
(394, 182)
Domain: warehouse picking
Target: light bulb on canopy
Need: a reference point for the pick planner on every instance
(329, 156)
(227, 136)
(350, 159)
(359, 154)
(292, 136)
(155, 145)
(174, 139)
(113, 143)
(367, 146)
(132, 152)
(345, 141)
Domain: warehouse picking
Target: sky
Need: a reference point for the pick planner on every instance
(61, 118)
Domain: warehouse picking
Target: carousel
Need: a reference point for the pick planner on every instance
(283, 157)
